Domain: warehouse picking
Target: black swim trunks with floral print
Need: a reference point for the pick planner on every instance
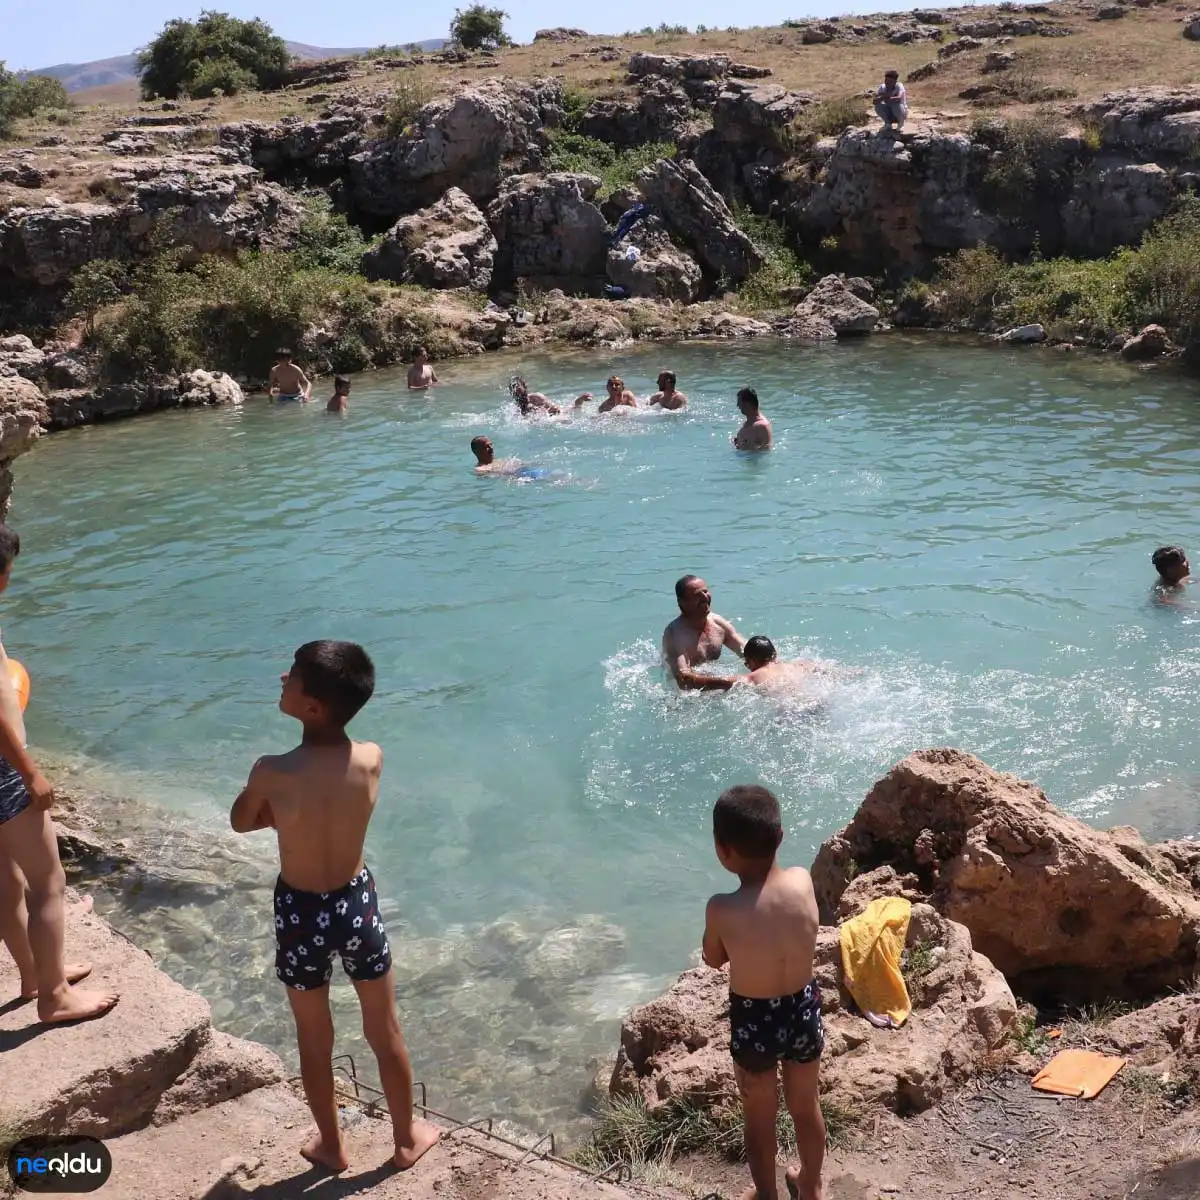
(764, 1032)
(311, 927)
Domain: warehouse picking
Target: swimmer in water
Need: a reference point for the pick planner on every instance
(486, 462)
(697, 636)
(421, 376)
(1174, 573)
(766, 671)
(619, 396)
(527, 401)
(287, 381)
(667, 397)
(341, 393)
(755, 434)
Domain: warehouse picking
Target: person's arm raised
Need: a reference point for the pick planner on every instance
(252, 809)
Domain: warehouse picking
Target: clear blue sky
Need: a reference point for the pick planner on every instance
(34, 33)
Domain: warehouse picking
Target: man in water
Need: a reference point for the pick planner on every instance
(619, 396)
(666, 396)
(755, 434)
(891, 102)
(287, 381)
(527, 401)
(421, 376)
(488, 464)
(341, 393)
(1174, 573)
(697, 636)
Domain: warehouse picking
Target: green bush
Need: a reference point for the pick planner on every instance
(404, 105)
(180, 59)
(327, 239)
(616, 168)
(783, 271)
(972, 284)
(220, 77)
(829, 118)
(95, 286)
(1163, 276)
(575, 104)
(1029, 162)
(479, 28)
(26, 97)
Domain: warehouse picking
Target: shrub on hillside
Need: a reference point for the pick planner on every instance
(772, 287)
(411, 95)
(616, 168)
(327, 239)
(1163, 279)
(28, 96)
(829, 118)
(95, 286)
(479, 28)
(189, 58)
(1029, 163)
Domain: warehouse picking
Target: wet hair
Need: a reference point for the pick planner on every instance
(478, 443)
(339, 675)
(1166, 557)
(759, 648)
(340, 381)
(419, 351)
(10, 547)
(746, 819)
(669, 376)
(749, 395)
(284, 352)
(681, 586)
(617, 380)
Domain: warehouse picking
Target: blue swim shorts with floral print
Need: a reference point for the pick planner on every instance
(763, 1033)
(311, 927)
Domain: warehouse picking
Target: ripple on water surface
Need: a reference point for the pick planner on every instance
(970, 529)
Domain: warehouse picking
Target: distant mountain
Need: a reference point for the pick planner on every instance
(123, 69)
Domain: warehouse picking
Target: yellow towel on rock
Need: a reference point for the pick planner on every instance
(872, 944)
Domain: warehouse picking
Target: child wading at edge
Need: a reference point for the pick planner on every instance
(319, 799)
(32, 882)
(767, 932)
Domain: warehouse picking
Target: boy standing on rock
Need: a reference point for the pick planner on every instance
(767, 932)
(32, 881)
(319, 799)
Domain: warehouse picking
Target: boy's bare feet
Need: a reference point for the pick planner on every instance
(423, 1136)
(318, 1151)
(794, 1178)
(74, 973)
(75, 1004)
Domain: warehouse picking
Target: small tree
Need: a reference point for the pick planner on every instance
(479, 28)
(96, 285)
(194, 58)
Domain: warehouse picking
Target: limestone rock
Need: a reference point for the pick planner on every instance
(1024, 334)
(23, 414)
(1152, 342)
(808, 328)
(1151, 121)
(757, 115)
(660, 113)
(1191, 27)
(998, 60)
(472, 140)
(814, 35)
(559, 34)
(448, 245)
(19, 356)
(677, 1047)
(674, 66)
(198, 388)
(67, 370)
(928, 71)
(959, 46)
(834, 304)
(731, 325)
(692, 208)
(647, 263)
(883, 881)
(1056, 905)
(1113, 205)
(547, 227)
(224, 1068)
(1110, 12)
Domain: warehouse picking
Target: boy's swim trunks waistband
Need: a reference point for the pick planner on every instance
(289, 396)
(14, 796)
(311, 927)
(763, 1033)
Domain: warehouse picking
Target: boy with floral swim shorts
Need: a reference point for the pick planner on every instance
(767, 932)
(319, 799)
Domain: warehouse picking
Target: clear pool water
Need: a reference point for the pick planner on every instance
(971, 527)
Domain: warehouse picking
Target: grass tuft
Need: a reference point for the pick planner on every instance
(616, 168)
(771, 288)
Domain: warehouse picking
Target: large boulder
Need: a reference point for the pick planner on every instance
(1151, 342)
(309, 148)
(19, 356)
(647, 263)
(547, 228)
(677, 1047)
(1151, 121)
(661, 112)
(23, 414)
(832, 303)
(692, 208)
(1063, 910)
(757, 115)
(1114, 204)
(199, 388)
(472, 140)
(1191, 27)
(449, 245)
(676, 66)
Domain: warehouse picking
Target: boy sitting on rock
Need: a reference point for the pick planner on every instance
(767, 932)
(319, 799)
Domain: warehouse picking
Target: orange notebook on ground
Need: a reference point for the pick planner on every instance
(1082, 1073)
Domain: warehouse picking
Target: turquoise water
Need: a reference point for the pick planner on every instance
(971, 527)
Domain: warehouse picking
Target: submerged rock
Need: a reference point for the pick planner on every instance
(1025, 334)
(1062, 909)
(1152, 342)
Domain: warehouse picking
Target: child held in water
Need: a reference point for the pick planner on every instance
(767, 932)
(1173, 569)
(319, 799)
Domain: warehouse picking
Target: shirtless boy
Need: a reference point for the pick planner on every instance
(666, 396)
(421, 376)
(767, 671)
(619, 396)
(526, 400)
(319, 799)
(1174, 573)
(287, 381)
(697, 636)
(755, 433)
(341, 394)
(30, 869)
(767, 931)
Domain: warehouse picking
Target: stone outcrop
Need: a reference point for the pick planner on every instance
(472, 140)
(199, 388)
(692, 208)
(1112, 205)
(661, 112)
(1191, 27)
(1151, 342)
(23, 414)
(547, 228)
(758, 115)
(67, 407)
(833, 306)
(1065, 911)
(677, 1047)
(1150, 121)
(648, 264)
(448, 245)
